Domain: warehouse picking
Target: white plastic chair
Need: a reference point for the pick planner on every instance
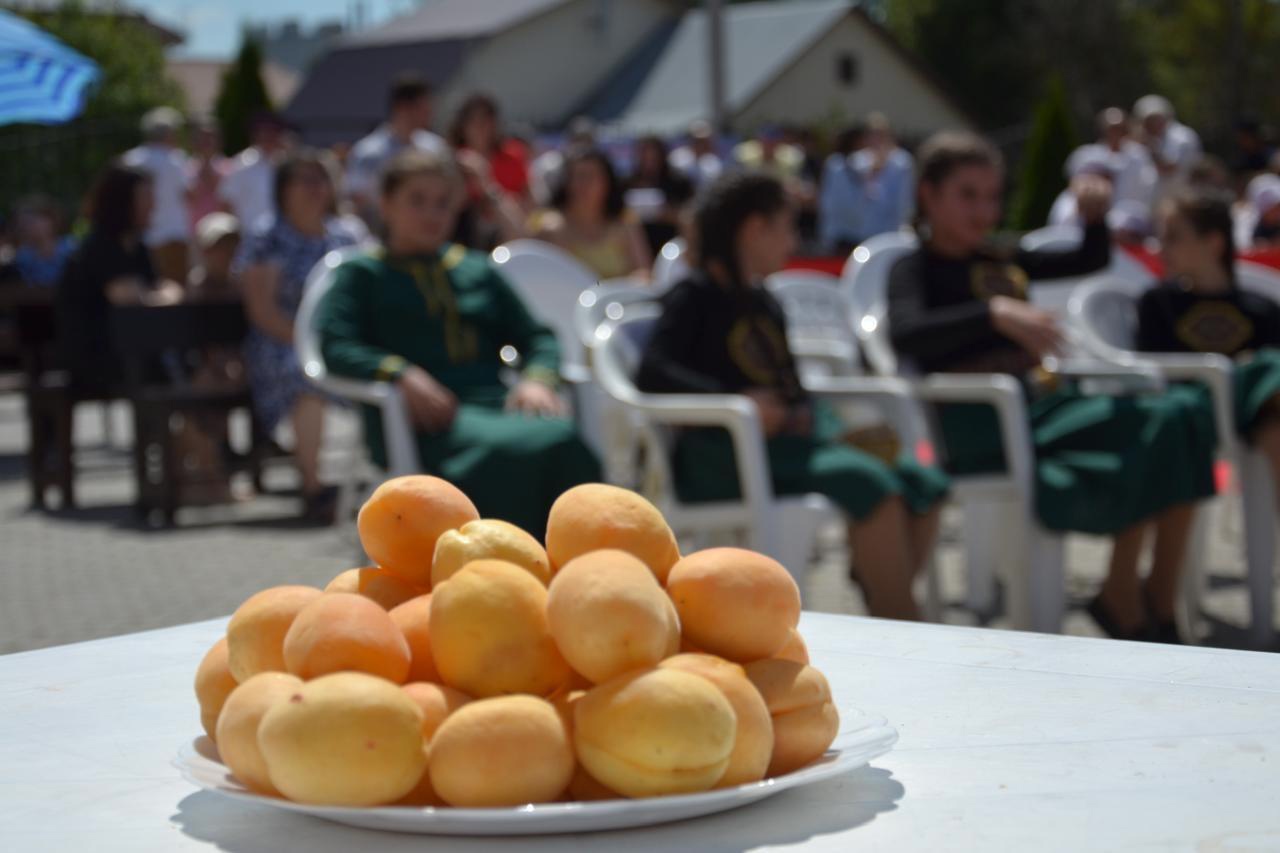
(1104, 309)
(549, 280)
(871, 262)
(1001, 526)
(819, 322)
(783, 527)
(1055, 295)
(670, 264)
(397, 429)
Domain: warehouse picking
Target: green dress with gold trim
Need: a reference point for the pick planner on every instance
(1103, 463)
(713, 339)
(1238, 324)
(451, 314)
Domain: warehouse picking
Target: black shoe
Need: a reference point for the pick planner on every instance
(321, 507)
(1110, 627)
(1160, 631)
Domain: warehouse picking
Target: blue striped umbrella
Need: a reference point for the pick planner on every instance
(42, 81)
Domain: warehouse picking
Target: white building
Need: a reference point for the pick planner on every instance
(635, 65)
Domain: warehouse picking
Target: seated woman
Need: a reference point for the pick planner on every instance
(590, 221)
(659, 192)
(1105, 465)
(273, 267)
(721, 332)
(432, 317)
(111, 266)
(1199, 308)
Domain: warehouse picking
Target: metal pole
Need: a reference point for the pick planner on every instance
(715, 55)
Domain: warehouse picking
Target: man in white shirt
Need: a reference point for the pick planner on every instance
(409, 108)
(1127, 161)
(698, 161)
(169, 232)
(1174, 147)
(249, 187)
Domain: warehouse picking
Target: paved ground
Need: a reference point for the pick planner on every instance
(95, 571)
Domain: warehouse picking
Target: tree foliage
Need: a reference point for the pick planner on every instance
(242, 96)
(63, 160)
(1040, 175)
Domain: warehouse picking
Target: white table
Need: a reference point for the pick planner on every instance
(1008, 742)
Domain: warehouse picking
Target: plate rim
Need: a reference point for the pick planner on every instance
(868, 738)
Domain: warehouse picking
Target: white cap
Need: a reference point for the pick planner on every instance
(1092, 160)
(160, 120)
(1267, 196)
(1152, 105)
(1257, 184)
(214, 226)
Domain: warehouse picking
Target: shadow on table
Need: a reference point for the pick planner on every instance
(837, 805)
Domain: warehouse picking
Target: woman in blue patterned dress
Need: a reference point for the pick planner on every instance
(273, 265)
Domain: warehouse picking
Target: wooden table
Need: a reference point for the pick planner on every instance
(1008, 742)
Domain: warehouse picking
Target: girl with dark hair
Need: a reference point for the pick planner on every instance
(432, 317)
(670, 192)
(589, 219)
(496, 176)
(1110, 466)
(111, 266)
(1199, 308)
(721, 332)
(273, 266)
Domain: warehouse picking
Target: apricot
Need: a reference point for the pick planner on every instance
(489, 632)
(794, 648)
(608, 615)
(238, 726)
(346, 739)
(753, 740)
(504, 751)
(734, 603)
(805, 721)
(585, 788)
(340, 631)
(379, 585)
(413, 618)
(595, 516)
(436, 701)
(255, 634)
(488, 539)
(655, 732)
(214, 683)
(403, 518)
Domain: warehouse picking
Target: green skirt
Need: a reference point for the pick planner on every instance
(1257, 391)
(858, 482)
(512, 466)
(1103, 464)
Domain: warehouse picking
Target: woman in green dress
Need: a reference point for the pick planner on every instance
(1200, 309)
(1111, 466)
(722, 332)
(432, 317)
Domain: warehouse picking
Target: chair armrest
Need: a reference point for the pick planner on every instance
(1004, 394)
(733, 412)
(892, 395)
(369, 392)
(397, 429)
(1134, 377)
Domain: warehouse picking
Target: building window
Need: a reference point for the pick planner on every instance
(846, 69)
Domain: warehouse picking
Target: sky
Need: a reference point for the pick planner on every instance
(213, 26)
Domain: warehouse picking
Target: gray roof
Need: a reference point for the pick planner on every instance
(439, 20)
(761, 40)
(344, 94)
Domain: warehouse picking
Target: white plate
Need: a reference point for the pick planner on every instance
(862, 737)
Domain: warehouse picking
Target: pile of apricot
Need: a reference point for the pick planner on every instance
(474, 666)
